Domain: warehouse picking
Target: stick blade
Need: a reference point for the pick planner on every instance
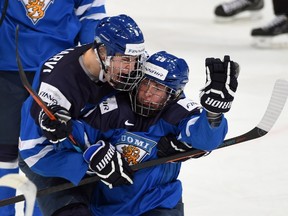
(275, 106)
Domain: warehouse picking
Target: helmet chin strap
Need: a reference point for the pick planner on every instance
(102, 65)
(101, 76)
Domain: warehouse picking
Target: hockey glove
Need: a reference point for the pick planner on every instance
(221, 84)
(56, 130)
(108, 164)
(169, 145)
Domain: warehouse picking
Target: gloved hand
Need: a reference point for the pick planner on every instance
(221, 84)
(169, 145)
(56, 130)
(108, 164)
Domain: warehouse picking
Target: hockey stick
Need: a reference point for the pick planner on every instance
(4, 10)
(273, 111)
(23, 184)
(35, 96)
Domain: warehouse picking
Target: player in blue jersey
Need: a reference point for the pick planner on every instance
(45, 28)
(158, 108)
(77, 79)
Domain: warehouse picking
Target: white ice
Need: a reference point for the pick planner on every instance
(246, 179)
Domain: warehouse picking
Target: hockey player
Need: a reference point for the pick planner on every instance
(75, 80)
(275, 33)
(45, 28)
(234, 9)
(158, 108)
(271, 35)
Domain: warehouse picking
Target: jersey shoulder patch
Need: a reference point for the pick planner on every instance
(189, 104)
(52, 95)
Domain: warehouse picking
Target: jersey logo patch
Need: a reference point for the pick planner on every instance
(131, 154)
(35, 9)
(188, 104)
(127, 123)
(52, 95)
(134, 148)
(108, 105)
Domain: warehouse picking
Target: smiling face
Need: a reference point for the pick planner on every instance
(121, 64)
(165, 76)
(123, 72)
(152, 94)
(149, 97)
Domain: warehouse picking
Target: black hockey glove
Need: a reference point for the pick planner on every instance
(169, 145)
(56, 130)
(108, 164)
(221, 84)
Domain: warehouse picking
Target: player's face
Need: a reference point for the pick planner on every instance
(124, 71)
(122, 65)
(152, 94)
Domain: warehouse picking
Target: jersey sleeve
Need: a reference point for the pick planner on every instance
(197, 132)
(89, 13)
(45, 158)
(192, 126)
(38, 152)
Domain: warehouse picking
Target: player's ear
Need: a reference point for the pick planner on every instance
(102, 52)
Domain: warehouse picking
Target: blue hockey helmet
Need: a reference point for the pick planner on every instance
(161, 70)
(124, 44)
(168, 70)
(120, 34)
